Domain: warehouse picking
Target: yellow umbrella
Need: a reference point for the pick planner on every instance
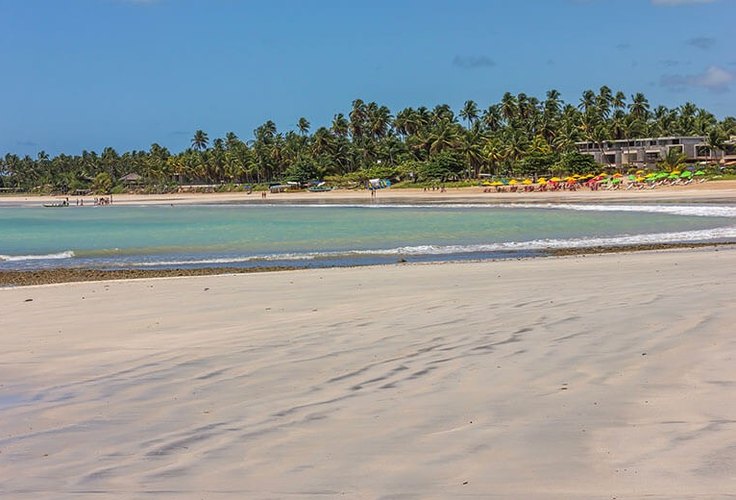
(541, 180)
(555, 179)
(676, 172)
(496, 183)
(571, 179)
(639, 172)
(526, 182)
(513, 182)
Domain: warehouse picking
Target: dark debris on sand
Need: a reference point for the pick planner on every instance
(50, 276)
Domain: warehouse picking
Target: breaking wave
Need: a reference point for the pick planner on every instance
(51, 256)
(723, 233)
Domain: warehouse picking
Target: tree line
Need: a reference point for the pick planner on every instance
(520, 135)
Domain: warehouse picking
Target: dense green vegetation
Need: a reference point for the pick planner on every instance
(520, 135)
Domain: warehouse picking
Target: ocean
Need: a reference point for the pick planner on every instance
(249, 235)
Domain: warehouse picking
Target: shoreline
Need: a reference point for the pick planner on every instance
(712, 191)
(16, 279)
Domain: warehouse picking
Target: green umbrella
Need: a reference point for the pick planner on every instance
(686, 174)
(699, 172)
(632, 178)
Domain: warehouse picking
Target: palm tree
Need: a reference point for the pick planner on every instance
(639, 107)
(469, 113)
(508, 107)
(716, 141)
(200, 141)
(303, 125)
(492, 118)
(673, 160)
(340, 125)
(587, 101)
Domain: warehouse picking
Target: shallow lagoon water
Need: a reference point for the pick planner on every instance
(181, 236)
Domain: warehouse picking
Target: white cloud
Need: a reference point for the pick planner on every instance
(714, 78)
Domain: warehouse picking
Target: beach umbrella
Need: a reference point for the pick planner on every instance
(676, 172)
(640, 179)
(496, 183)
(526, 182)
(632, 177)
(639, 172)
(541, 179)
(542, 182)
(686, 174)
(513, 182)
(673, 176)
(555, 179)
(616, 180)
(699, 172)
(618, 175)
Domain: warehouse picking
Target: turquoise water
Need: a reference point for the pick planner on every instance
(257, 235)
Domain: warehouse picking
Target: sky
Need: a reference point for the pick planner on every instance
(85, 74)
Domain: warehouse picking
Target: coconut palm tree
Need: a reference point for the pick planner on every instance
(200, 141)
(303, 125)
(469, 113)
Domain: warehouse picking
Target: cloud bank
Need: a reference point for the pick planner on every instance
(714, 79)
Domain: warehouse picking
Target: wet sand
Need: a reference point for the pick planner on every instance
(597, 377)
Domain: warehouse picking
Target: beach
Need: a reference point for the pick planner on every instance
(699, 192)
(600, 376)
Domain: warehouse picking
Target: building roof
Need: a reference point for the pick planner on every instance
(698, 137)
(131, 177)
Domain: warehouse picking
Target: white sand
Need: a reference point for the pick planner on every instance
(604, 377)
(709, 191)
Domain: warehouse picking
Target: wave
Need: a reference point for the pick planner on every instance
(685, 210)
(718, 234)
(50, 256)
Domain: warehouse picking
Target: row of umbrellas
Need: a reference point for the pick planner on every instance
(603, 177)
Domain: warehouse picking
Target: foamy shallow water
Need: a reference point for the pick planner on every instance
(337, 234)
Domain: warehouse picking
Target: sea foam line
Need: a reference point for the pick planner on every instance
(685, 210)
(50, 256)
(723, 233)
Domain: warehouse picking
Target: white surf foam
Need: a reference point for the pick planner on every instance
(724, 233)
(51, 256)
(686, 210)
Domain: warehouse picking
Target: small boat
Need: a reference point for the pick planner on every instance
(60, 204)
(319, 189)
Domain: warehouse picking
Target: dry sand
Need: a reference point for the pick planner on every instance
(608, 376)
(709, 191)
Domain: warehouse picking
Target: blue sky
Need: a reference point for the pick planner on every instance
(85, 74)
